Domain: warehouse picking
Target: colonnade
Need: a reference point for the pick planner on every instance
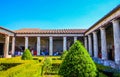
(116, 34)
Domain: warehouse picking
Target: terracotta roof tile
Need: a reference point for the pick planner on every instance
(50, 31)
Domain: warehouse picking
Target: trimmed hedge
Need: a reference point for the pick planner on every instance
(5, 66)
(28, 69)
(77, 63)
(27, 55)
(64, 54)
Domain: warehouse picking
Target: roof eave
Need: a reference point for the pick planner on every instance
(108, 14)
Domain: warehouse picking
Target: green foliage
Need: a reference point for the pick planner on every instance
(116, 74)
(47, 64)
(2, 67)
(101, 75)
(103, 68)
(28, 68)
(77, 63)
(64, 54)
(27, 55)
(5, 66)
(55, 68)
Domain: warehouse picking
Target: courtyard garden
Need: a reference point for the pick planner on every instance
(75, 62)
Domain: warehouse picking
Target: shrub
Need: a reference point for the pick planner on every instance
(2, 67)
(102, 68)
(27, 55)
(77, 63)
(64, 54)
(46, 68)
(30, 68)
(5, 66)
(116, 74)
(101, 75)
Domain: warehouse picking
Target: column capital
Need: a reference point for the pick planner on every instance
(38, 37)
(102, 28)
(89, 35)
(50, 37)
(115, 21)
(26, 36)
(94, 32)
(64, 37)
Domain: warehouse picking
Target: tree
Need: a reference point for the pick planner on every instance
(77, 63)
(27, 55)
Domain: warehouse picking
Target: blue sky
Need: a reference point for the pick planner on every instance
(53, 14)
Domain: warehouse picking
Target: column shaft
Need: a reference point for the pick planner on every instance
(116, 32)
(90, 44)
(95, 43)
(50, 45)
(38, 45)
(6, 46)
(85, 42)
(26, 42)
(64, 44)
(13, 45)
(75, 38)
(103, 44)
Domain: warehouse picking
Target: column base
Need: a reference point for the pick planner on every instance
(8, 56)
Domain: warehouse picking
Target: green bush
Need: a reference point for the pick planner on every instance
(27, 55)
(2, 67)
(64, 54)
(77, 63)
(47, 64)
(102, 68)
(5, 66)
(29, 69)
(101, 75)
(116, 74)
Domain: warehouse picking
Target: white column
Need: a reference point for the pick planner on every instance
(103, 44)
(75, 38)
(6, 46)
(90, 44)
(85, 42)
(116, 32)
(26, 42)
(64, 44)
(50, 45)
(13, 45)
(38, 45)
(95, 43)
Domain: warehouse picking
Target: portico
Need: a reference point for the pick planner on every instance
(47, 43)
(106, 36)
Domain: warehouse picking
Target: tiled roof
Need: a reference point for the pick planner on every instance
(6, 29)
(50, 31)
